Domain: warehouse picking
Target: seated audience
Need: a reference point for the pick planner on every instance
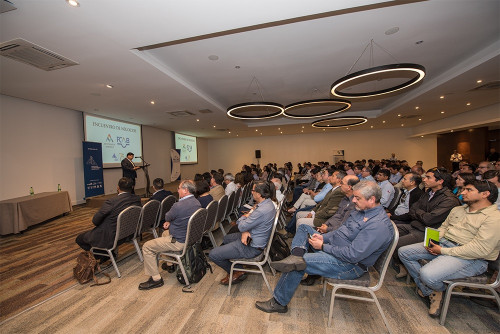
(255, 229)
(277, 184)
(395, 176)
(462, 178)
(216, 189)
(483, 167)
(203, 193)
(411, 194)
(174, 236)
(345, 253)
(311, 184)
(104, 232)
(386, 187)
(311, 197)
(468, 237)
(327, 207)
(239, 180)
(358, 170)
(493, 176)
(366, 174)
(230, 184)
(159, 193)
(429, 211)
(403, 170)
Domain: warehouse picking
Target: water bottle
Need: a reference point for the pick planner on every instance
(58, 187)
(31, 191)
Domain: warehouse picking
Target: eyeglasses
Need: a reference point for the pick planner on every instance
(488, 183)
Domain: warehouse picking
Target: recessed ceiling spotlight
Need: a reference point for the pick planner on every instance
(402, 124)
(261, 133)
(237, 135)
(301, 130)
(392, 31)
(279, 128)
(152, 102)
(73, 3)
(302, 126)
(451, 130)
(213, 57)
(281, 132)
(441, 97)
(468, 103)
(422, 136)
(419, 119)
(197, 120)
(109, 86)
(442, 112)
(479, 81)
(347, 128)
(214, 126)
(383, 121)
(229, 131)
(419, 42)
(323, 129)
(416, 108)
(256, 130)
(371, 127)
(399, 115)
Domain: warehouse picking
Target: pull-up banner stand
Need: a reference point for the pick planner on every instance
(175, 164)
(92, 169)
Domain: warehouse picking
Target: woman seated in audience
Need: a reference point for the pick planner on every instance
(462, 178)
(239, 180)
(202, 193)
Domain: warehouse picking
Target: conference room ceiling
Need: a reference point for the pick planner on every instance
(195, 59)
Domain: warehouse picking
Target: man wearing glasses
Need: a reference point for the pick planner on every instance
(468, 237)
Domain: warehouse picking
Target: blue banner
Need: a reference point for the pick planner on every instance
(92, 169)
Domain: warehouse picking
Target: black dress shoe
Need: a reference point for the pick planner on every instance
(309, 280)
(169, 269)
(271, 306)
(290, 263)
(151, 284)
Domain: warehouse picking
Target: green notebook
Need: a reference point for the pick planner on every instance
(431, 234)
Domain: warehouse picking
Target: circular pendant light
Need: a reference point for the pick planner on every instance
(255, 110)
(316, 108)
(413, 72)
(339, 122)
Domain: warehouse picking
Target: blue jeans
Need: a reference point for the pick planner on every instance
(232, 248)
(292, 224)
(318, 263)
(440, 268)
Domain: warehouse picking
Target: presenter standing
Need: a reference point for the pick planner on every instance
(129, 169)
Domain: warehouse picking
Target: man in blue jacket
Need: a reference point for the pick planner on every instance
(345, 253)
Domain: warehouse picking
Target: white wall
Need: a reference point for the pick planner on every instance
(231, 154)
(40, 146)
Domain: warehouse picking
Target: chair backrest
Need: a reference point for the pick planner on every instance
(230, 202)
(237, 199)
(211, 216)
(195, 227)
(165, 207)
(221, 210)
(395, 199)
(273, 230)
(127, 222)
(383, 260)
(149, 215)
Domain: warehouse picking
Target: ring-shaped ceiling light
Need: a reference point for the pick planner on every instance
(339, 122)
(418, 70)
(255, 110)
(316, 108)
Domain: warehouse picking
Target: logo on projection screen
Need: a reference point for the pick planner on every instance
(122, 141)
(109, 139)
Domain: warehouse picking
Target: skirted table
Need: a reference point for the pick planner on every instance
(17, 214)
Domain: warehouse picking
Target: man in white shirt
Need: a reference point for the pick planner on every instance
(455, 160)
(230, 185)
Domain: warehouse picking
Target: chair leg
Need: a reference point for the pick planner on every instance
(114, 262)
(273, 271)
(222, 227)
(230, 280)
(408, 279)
(265, 279)
(446, 304)
(375, 299)
(183, 272)
(324, 287)
(138, 250)
(332, 301)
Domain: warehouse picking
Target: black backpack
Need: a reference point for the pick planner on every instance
(195, 264)
(279, 248)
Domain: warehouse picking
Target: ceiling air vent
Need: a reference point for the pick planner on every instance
(6, 6)
(32, 54)
(488, 86)
(410, 116)
(182, 113)
(205, 111)
(222, 130)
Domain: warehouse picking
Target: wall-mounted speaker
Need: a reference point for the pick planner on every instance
(257, 154)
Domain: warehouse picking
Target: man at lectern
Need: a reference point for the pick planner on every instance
(129, 169)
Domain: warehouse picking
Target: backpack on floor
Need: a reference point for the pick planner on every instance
(195, 264)
(86, 266)
(279, 248)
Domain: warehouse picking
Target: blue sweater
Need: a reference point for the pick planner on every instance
(178, 216)
(362, 238)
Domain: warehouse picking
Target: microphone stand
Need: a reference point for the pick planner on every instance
(146, 174)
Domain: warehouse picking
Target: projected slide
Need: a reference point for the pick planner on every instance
(187, 145)
(117, 138)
